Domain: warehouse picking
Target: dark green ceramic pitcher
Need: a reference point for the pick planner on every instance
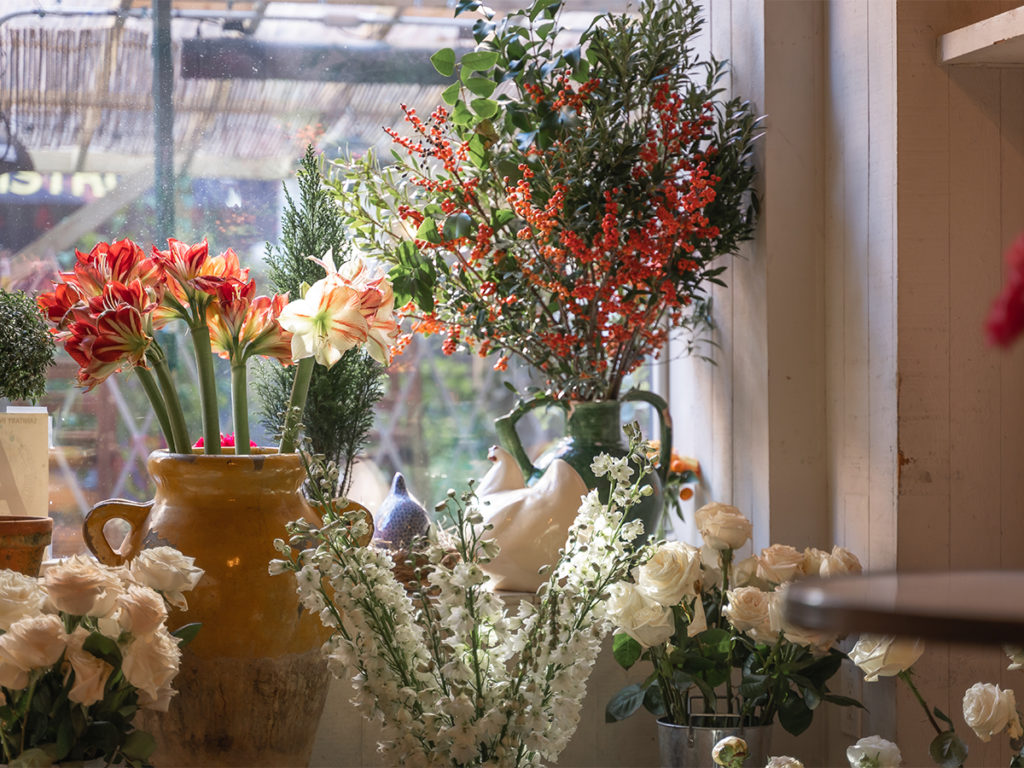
(592, 427)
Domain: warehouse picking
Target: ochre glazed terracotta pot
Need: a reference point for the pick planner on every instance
(23, 540)
(253, 683)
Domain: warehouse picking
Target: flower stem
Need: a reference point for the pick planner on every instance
(175, 415)
(207, 386)
(297, 404)
(904, 675)
(156, 400)
(240, 408)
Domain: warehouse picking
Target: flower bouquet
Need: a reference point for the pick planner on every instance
(570, 203)
(83, 649)
(714, 634)
(456, 677)
(107, 310)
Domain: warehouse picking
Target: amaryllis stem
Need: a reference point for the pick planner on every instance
(240, 408)
(170, 395)
(207, 387)
(156, 401)
(297, 404)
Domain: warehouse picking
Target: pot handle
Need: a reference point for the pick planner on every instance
(509, 438)
(664, 425)
(132, 512)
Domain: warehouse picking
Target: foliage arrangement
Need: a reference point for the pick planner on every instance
(714, 634)
(83, 649)
(107, 310)
(572, 203)
(339, 406)
(457, 678)
(26, 348)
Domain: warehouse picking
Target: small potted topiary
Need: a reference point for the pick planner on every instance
(26, 351)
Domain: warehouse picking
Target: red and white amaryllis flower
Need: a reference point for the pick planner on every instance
(242, 324)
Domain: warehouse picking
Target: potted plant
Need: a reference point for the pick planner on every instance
(722, 658)
(26, 351)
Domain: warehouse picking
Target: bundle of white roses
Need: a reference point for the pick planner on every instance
(455, 676)
(82, 649)
(714, 628)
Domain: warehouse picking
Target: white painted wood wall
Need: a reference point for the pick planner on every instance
(855, 400)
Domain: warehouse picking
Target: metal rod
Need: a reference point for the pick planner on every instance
(163, 120)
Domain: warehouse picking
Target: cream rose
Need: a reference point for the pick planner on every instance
(33, 642)
(874, 752)
(151, 662)
(723, 526)
(813, 559)
(159, 703)
(141, 611)
(711, 565)
(91, 672)
(167, 571)
(640, 617)
(12, 677)
(744, 573)
(816, 640)
(783, 761)
(884, 655)
(20, 596)
(749, 611)
(82, 587)
(671, 574)
(839, 562)
(988, 710)
(780, 563)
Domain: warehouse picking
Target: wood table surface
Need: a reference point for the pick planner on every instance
(960, 606)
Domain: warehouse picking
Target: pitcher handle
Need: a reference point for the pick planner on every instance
(132, 512)
(664, 424)
(509, 438)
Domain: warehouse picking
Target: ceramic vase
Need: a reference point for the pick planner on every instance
(252, 684)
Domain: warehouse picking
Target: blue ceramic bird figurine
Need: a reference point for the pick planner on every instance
(400, 518)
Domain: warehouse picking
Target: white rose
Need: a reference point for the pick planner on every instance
(723, 526)
(989, 709)
(744, 573)
(783, 761)
(639, 616)
(817, 641)
(874, 752)
(34, 642)
(671, 573)
(91, 672)
(141, 610)
(1016, 654)
(839, 562)
(159, 703)
(167, 571)
(749, 611)
(780, 563)
(813, 559)
(82, 587)
(711, 565)
(730, 751)
(20, 596)
(12, 677)
(884, 655)
(151, 662)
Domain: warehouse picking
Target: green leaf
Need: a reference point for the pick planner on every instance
(626, 650)
(477, 150)
(481, 86)
(794, 715)
(542, 5)
(479, 61)
(624, 703)
(102, 647)
(427, 230)
(457, 225)
(942, 716)
(451, 94)
(843, 701)
(484, 107)
(139, 745)
(444, 62)
(654, 701)
(186, 633)
(462, 115)
(948, 750)
(502, 217)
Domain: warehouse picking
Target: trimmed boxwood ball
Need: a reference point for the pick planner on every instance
(26, 348)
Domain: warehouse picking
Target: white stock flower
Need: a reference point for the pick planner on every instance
(91, 672)
(82, 587)
(34, 642)
(723, 526)
(874, 752)
(988, 709)
(780, 563)
(640, 617)
(20, 596)
(749, 611)
(671, 573)
(885, 655)
(168, 571)
(783, 761)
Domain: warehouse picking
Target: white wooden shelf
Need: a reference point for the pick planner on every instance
(997, 41)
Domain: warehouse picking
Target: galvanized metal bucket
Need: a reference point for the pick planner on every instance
(689, 746)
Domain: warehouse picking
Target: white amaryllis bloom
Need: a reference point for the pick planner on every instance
(988, 709)
(874, 752)
(326, 322)
(884, 655)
